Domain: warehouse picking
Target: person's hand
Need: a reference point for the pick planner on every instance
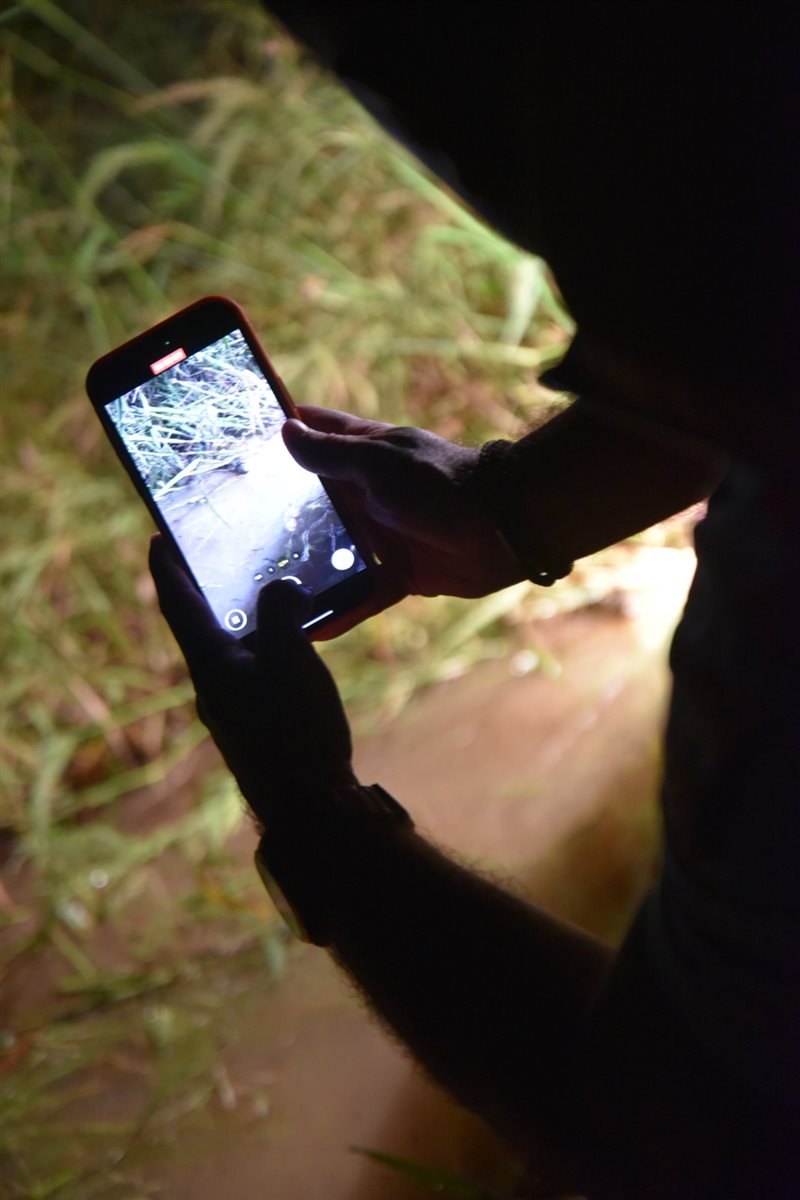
(407, 490)
(274, 712)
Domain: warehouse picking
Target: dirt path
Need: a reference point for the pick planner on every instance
(551, 778)
(234, 525)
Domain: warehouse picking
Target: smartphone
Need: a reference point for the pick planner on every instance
(194, 410)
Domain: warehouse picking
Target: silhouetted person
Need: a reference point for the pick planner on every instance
(644, 151)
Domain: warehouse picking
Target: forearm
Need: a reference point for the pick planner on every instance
(590, 478)
(485, 990)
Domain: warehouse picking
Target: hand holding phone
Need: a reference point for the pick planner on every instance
(414, 496)
(261, 698)
(195, 410)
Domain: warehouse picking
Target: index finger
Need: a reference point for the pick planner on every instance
(207, 647)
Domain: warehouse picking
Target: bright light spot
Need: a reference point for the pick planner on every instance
(98, 878)
(74, 914)
(523, 662)
(169, 360)
(342, 559)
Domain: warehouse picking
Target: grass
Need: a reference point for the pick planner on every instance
(188, 421)
(434, 1181)
(112, 1088)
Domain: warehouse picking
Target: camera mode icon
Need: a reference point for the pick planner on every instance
(235, 620)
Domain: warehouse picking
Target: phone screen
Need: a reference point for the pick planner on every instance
(205, 435)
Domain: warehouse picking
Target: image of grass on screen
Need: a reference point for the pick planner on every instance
(205, 437)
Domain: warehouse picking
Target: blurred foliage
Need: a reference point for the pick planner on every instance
(434, 1181)
(112, 1088)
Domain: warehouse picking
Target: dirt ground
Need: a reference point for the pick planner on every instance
(549, 777)
(217, 521)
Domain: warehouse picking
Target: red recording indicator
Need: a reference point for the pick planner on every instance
(169, 360)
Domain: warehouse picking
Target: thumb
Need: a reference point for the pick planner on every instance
(301, 684)
(282, 608)
(281, 644)
(333, 455)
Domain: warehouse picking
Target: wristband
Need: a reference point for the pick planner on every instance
(493, 485)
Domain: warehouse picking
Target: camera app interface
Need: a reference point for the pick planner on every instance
(204, 433)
